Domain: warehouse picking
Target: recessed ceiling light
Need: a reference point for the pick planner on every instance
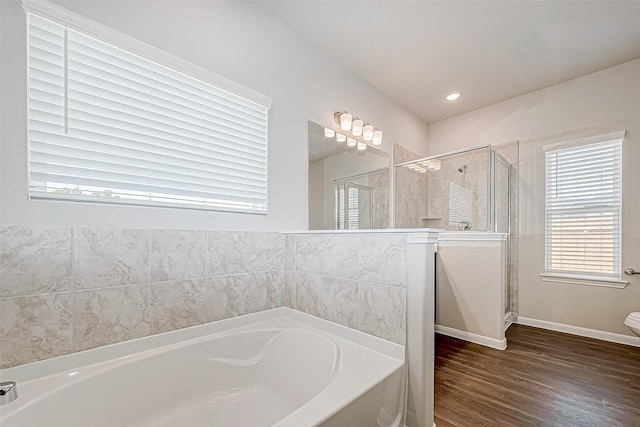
(453, 96)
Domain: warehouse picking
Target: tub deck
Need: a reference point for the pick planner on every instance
(278, 368)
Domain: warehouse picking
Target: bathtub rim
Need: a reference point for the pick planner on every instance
(116, 351)
(338, 394)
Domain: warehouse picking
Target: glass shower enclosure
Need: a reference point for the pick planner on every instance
(462, 190)
(465, 190)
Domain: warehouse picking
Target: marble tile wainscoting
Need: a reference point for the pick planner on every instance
(355, 279)
(66, 289)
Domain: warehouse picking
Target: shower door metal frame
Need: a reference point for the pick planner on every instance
(495, 159)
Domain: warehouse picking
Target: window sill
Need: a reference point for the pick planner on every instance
(48, 196)
(576, 279)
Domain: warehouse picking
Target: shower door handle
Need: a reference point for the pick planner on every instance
(630, 271)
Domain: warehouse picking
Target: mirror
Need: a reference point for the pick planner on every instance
(348, 188)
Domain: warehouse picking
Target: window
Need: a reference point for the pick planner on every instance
(583, 209)
(108, 125)
(352, 206)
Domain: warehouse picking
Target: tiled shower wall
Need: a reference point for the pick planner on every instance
(474, 177)
(66, 289)
(411, 198)
(410, 194)
(379, 183)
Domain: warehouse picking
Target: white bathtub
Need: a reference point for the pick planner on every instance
(274, 368)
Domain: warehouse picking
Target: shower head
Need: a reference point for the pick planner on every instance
(462, 169)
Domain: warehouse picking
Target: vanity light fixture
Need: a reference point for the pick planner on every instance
(377, 137)
(356, 127)
(367, 132)
(344, 119)
(329, 133)
(453, 96)
(362, 146)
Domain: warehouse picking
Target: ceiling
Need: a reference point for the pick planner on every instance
(416, 52)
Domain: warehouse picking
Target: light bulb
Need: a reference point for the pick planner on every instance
(345, 121)
(329, 133)
(351, 142)
(367, 132)
(357, 127)
(453, 96)
(362, 146)
(341, 137)
(377, 137)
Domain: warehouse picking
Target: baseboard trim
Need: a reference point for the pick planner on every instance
(471, 337)
(580, 331)
(509, 318)
(508, 325)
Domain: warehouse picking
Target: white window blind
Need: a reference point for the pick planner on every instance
(459, 204)
(352, 208)
(348, 197)
(583, 209)
(108, 125)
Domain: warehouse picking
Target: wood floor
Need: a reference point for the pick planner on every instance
(544, 378)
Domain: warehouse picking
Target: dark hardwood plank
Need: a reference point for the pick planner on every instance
(544, 378)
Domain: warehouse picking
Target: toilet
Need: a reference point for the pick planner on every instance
(633, 322)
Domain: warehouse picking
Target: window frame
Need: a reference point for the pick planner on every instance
(79, 23)
(592, 279)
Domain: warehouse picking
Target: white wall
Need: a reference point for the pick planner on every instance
(236, 40)
(470, 282)
(605, 101)
(3, 41)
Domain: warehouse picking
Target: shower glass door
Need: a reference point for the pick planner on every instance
(501, 191)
